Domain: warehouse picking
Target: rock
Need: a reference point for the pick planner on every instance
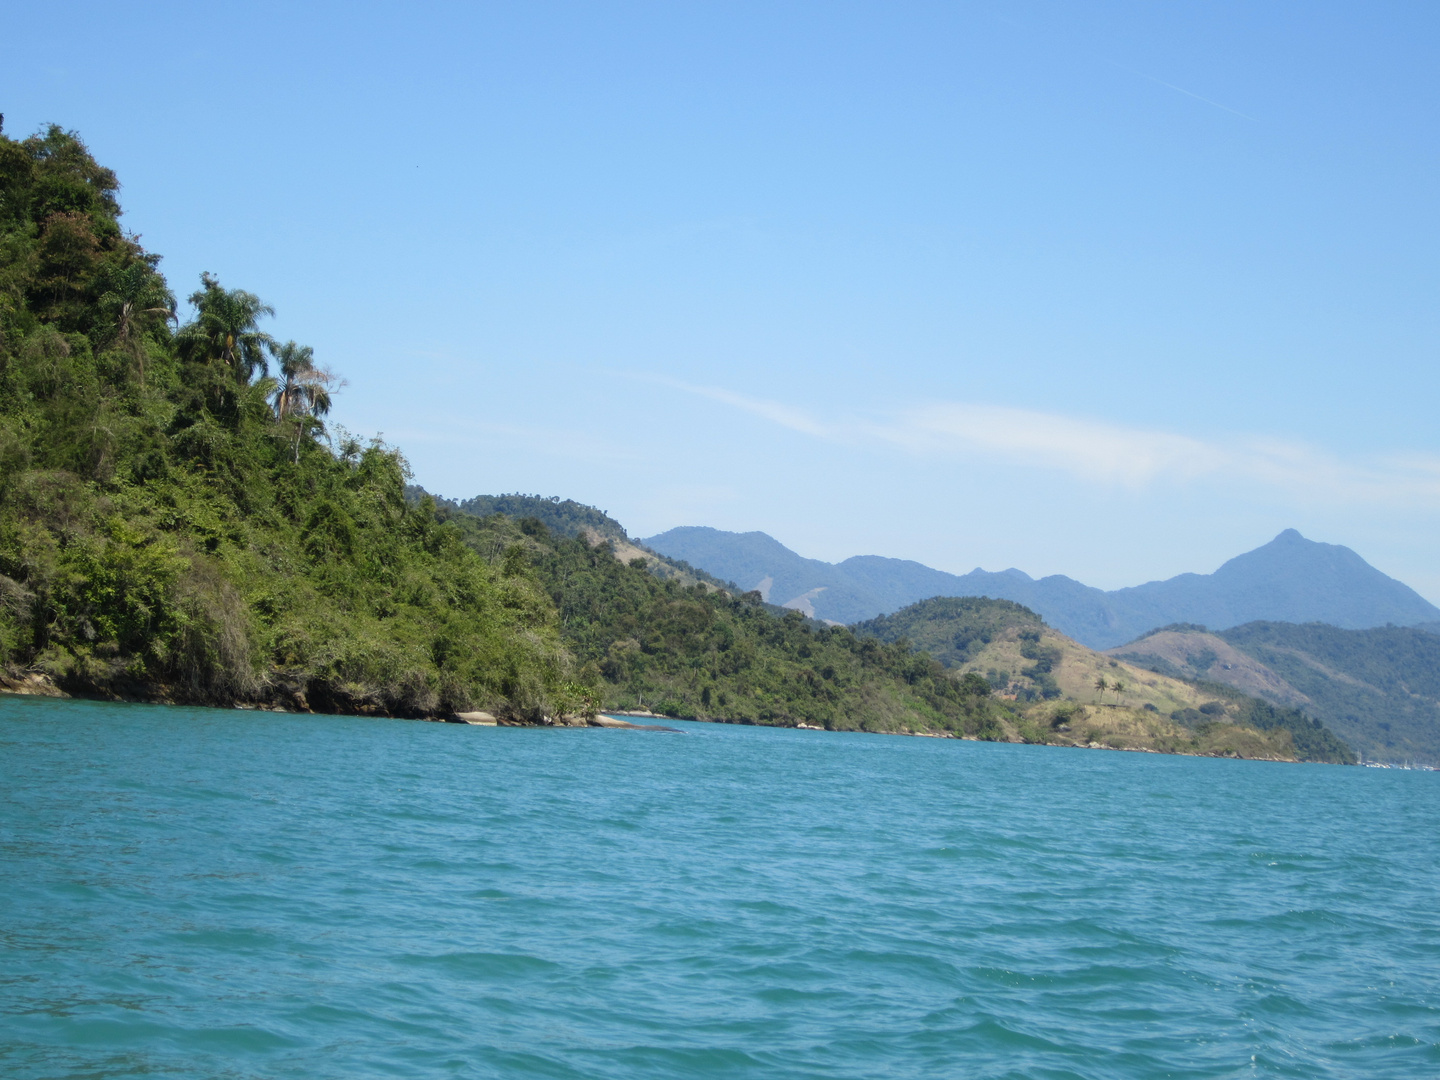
(30, 682)
(610, 721)
(484, 719)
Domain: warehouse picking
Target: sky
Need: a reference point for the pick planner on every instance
(1116, 290)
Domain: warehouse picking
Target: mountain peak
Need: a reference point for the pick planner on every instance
(1289, 579)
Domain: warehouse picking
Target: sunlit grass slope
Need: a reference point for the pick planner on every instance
(1063, 692)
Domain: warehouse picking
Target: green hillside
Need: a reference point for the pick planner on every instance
(953, 629)
(1065, 692)
(568, 518)
(175, 523)
(564, 517)
(1379, 689)
(645, 638)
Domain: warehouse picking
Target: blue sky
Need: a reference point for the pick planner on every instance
(1116, 290)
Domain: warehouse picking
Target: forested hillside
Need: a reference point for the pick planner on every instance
(953, 629)
(647, 640)
(172, 525)
(564, 517)
(568, 518)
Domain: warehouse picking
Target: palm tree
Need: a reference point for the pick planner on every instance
(289, 393)
(226, 328)
(1101, 685)
(303, 391)
(134, 296)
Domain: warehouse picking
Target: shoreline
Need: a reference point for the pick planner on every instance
(35, 684)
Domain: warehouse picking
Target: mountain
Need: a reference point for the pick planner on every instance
(1065, 693)
(1290, 579)
(176, 525)
(647, 632)
(1378, 689)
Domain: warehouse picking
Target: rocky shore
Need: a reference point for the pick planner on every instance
(286, 698)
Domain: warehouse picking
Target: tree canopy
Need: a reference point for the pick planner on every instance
(176, 525)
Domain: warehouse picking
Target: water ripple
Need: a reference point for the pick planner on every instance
(197, 893)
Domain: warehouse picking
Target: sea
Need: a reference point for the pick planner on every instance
(228, 894)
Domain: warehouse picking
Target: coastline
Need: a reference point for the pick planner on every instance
(37, 684)
(610, 720)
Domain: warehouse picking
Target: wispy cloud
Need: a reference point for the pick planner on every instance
(1182, 90)
(774, 411)
(1138, 458)
(1090, 449)
(1030, 33)
(1110, 454)
(784, 415)
(491, 439)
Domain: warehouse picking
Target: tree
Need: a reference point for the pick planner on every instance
(67, 257)
(226, 328)
(134, 297)
(975, 684)
(1101, 685)
(303, 392)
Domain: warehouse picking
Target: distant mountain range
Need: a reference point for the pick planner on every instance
(1291, 579)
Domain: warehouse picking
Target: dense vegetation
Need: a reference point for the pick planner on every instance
(1312, 739)
(564, 517)
(953, 629)
(646, 641)
(568, 518)
(172, 523)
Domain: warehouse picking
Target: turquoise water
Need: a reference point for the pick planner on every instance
(204, 893)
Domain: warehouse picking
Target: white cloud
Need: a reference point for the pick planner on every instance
(1092, 450)
(481, 437)
(774, 411)
(1113, 454)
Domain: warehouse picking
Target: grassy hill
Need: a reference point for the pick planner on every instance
(1066, 693)
(953, 629)
(1378, 689)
